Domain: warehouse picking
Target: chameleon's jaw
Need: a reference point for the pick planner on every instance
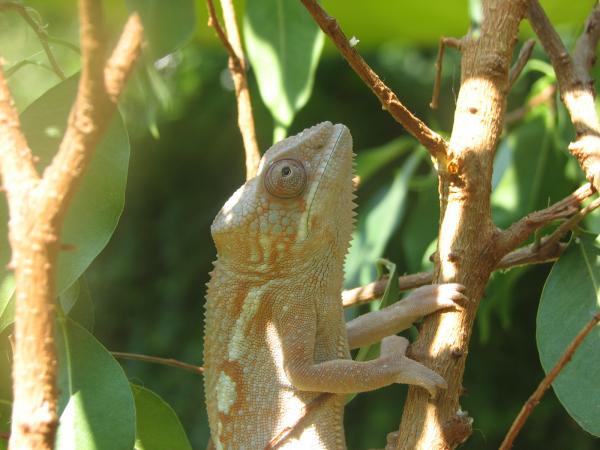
(334, 172)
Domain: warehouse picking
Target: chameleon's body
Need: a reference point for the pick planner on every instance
(275, 335)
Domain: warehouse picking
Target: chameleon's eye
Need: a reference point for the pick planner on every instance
(286, 178)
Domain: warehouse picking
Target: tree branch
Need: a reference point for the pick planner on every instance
(237, 68)
(432, 141)
(531, 254)
(517, 68)
(545, 384)
(466, 251)
(437, 81)
(162, 361)
(16, 160)
(36, 210)
(575, 84)
(514, 235)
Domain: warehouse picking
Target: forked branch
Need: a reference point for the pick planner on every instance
(37, 206)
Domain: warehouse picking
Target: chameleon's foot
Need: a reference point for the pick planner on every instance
(430, 298)
(410, 371)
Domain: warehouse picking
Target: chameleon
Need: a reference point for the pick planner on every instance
(277, 347)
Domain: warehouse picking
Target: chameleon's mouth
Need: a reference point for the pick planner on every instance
(305, 229)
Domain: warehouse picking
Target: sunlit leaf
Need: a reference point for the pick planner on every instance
(98, 202)
(96, 404)
(283, 44)
(157, 425)
(569, 300)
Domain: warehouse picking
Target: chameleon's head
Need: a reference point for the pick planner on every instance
(299, 204)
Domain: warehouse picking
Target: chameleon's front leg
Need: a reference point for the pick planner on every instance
(345, 376)
(374, 326)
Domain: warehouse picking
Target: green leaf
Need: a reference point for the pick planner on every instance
(157, 425)
(7, 287)
(569, 299)
(390, 295)
(97, 205)
(96, 404)
(5, 386)
(166, 26)
(368, 162)
(377, 222)
(77, 303)
(5, 412)
(283, 45)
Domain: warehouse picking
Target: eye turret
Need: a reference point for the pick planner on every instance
(285, 178)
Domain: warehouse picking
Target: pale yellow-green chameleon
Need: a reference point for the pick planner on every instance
(275, 336)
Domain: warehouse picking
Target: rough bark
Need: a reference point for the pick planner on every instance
(466, 252)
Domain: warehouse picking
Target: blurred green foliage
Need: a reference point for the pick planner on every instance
(147, 286)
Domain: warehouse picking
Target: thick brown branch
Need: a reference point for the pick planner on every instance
(39, 31)
(575, 84)
(437, 81)
(517, 68)
(432, 141)
(170, 362)
(466, 252)
(518, 232)
(545, 384)
(237, 68)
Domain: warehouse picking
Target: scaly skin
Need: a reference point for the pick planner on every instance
(275, 335)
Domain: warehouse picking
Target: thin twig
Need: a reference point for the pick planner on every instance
(237, 68)
(521, 257)
(545, 384)
(517, 68)
(570, 224)
(432, 141)
(546, 95)
(445, 41)
(514, 235)
(198, 370)
(39, 31)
